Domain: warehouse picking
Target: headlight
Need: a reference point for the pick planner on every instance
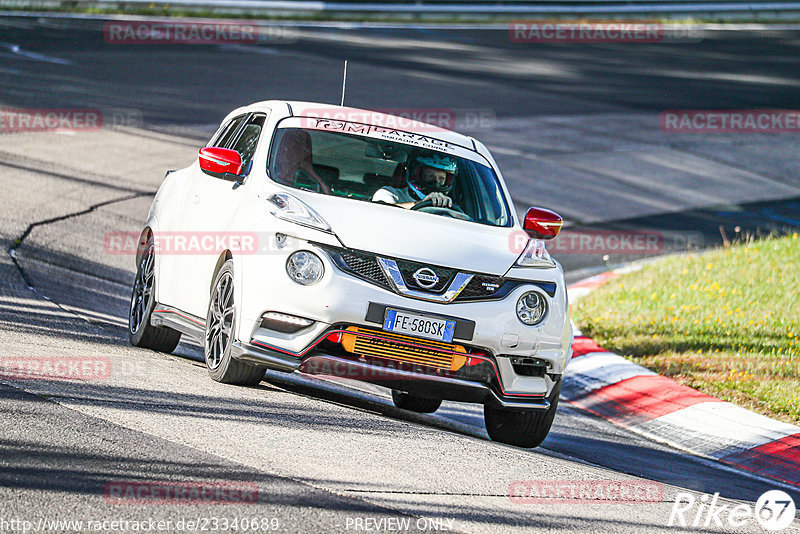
(305, 267)
(290, 208)
(535, 255)
(531, 308)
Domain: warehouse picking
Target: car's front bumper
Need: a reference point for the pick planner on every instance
(424, 384)
(342, 299)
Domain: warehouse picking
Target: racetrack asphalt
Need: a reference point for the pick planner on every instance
(323, 454)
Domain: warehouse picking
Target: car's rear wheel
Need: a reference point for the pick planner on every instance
(143, 300)
(219, 335)
(522, 428)
(414, 403)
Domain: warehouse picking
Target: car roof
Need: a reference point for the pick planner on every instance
(400, 120)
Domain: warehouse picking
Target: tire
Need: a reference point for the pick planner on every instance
(413, 403)
(140, 332)
(219, 335)
(521, 428)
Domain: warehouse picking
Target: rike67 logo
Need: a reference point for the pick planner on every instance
(774, 511)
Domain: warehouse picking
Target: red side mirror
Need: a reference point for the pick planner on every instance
(219, 161)
(542, 224)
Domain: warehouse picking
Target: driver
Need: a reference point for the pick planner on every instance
(428, 177)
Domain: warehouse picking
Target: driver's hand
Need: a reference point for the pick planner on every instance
(439, 200)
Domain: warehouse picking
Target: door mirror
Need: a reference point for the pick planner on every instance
(221, 163)
(541, 223)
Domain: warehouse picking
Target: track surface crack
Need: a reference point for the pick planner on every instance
(21, 239)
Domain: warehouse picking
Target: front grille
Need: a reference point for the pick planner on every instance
(407, 349)
(364, 265)
(481, 286)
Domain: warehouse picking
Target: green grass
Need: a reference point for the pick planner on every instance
(725, 322)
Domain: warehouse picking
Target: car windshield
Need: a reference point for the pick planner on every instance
(359, 166)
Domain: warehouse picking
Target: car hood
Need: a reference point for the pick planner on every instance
(424, 237)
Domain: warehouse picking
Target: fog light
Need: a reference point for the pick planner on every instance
(305, 268)
(529, 366)
(531, 308)
(282, 322)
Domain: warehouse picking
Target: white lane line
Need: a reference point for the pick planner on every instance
(15, 49)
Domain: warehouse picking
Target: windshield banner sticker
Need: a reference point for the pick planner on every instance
(381, 132)
(385, 133)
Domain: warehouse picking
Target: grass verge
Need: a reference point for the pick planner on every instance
(725, 322)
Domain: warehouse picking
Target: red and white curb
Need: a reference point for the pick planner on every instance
(659, 408)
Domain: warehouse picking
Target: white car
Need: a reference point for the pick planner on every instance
(330, 241)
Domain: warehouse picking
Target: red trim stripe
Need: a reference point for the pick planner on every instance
(640, 398)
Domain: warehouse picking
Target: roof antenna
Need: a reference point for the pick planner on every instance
(344, 81)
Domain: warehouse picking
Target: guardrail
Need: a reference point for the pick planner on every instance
(539, 6)
(439, 7)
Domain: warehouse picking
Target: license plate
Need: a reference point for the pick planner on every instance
(419, 325)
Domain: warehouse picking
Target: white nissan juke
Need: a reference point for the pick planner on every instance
(343, 242)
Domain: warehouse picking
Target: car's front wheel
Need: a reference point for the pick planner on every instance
(521, 428)
(414, 403)
(143, 299)
(219, 335)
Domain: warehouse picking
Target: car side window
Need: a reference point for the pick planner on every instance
(246, 144)
(228, 132)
